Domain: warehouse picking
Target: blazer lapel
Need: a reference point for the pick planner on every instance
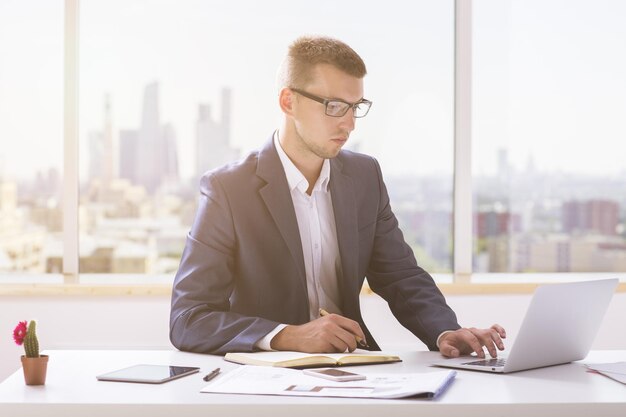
(344, 206)
(276, 196)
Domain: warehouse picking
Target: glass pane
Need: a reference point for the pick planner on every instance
(549, 105)
(31, 136)
(171, 89)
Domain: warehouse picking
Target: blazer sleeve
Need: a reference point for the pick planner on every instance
(393, 273)
(200, 316)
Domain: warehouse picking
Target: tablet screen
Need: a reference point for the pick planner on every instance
(148, 374)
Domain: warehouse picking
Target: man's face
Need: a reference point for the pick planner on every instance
(318, 133)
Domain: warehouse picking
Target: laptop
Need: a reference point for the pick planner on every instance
(559, 327)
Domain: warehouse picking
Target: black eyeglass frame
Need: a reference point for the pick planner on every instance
(326, 101)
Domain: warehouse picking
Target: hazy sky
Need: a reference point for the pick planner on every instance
(548, 76)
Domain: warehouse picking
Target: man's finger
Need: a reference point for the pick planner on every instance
(491, 348)
(500, 330)
(463, 341)
(347, 339)
(339, 344)
(495, 336)
(349, 325)
(470, 339)
(484, 339)
(449, 350)
(490, 339)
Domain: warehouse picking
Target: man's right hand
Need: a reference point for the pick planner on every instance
(331, 333)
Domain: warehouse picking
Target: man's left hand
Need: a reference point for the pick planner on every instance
(467, 340)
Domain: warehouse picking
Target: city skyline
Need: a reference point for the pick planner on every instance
(125, 229)
(168, 89)
(121, 153)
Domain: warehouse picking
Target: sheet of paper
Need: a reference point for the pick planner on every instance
(615, 370)
(282, 381)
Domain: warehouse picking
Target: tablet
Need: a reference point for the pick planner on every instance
(148, 374)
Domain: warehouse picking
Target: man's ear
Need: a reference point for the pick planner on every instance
(285, 101)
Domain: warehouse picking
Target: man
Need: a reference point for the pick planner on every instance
(296, 227)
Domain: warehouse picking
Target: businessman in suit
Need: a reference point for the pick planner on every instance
(296, 226)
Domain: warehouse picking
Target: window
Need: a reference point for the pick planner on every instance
(549, 105)
(31, 145)
(171, 89)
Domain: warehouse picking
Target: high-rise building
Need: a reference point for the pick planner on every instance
(492, 223)
(21, 246)
(95, 149)
(47, 184)
(170, 154)
(102, 149)
(213, 147)
(109, 155)
(504, 167)
(557, 253)
(156, 158)
(149, 140)
(129, 148)
(8, 196)
(595, 216)
(226, 96)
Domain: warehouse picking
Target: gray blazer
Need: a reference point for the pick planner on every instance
(242, 271)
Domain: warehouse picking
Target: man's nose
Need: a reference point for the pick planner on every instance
(348, 120)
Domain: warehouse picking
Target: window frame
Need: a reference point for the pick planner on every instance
(459, 282)
(70, 144)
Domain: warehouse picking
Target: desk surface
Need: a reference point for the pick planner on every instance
(72, 390)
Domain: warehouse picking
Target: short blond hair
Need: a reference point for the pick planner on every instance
(306, 52)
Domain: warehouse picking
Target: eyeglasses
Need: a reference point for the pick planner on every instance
(338, 108)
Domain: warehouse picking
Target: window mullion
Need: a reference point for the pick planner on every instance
(70, 145)
(462, 141)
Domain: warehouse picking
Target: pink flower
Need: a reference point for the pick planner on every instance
(19, 333)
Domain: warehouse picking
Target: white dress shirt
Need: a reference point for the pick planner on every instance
(318, 235)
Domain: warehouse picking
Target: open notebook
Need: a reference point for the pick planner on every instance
(310, 360)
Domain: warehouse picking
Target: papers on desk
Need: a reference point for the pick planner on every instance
(616, 370)
(262, 380)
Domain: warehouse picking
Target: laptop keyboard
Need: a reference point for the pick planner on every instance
(488, 362)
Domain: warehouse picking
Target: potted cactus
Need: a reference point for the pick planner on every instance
(34, 365)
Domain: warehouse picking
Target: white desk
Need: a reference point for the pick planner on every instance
(72, 390)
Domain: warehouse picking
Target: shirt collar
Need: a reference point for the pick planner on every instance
(295, 178)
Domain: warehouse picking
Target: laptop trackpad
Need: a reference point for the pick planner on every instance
(487, 362)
